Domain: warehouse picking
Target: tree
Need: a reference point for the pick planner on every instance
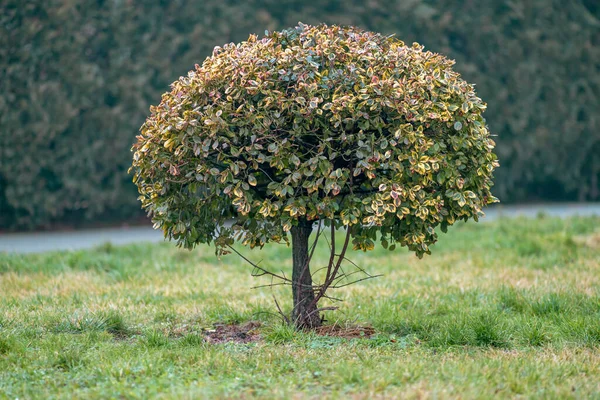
(316, 124)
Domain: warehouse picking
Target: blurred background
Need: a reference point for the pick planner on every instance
(77, 78)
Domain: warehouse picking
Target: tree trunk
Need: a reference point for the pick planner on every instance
(305, 314)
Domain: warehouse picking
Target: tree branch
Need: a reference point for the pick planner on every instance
(264, 271)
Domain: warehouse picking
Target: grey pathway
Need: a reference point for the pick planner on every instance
(532, 210)
(38, 242)
(73, 240)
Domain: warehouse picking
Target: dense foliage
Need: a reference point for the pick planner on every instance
(76, 78)
(316, 123)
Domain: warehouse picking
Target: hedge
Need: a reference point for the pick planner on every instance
(77, 78)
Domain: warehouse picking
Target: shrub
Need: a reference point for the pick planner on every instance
(315, 124)
(76, 77)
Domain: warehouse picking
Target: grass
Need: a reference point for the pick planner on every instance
(501, 309)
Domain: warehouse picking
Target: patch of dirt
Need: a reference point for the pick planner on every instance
(125, 336)
(236, 333)
(345, 331)
(592, 241)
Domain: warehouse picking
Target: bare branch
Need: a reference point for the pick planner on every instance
(345, 276)
(322, 309)
(283, 316)
(332, 254)
(356, 281)
(314, 245)
(264, 271)
(331, 274)
(328, 297)
(287, 283)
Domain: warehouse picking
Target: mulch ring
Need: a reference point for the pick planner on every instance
(345, 331)
(249, 332)
(236, 333)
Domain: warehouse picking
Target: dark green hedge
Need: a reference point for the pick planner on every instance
(77, 77)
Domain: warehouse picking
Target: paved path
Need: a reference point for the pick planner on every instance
(38, 242)
(73, 240)
(562, 210)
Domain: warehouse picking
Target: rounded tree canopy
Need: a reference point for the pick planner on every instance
(316, 123)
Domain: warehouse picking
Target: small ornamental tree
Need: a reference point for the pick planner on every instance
(322, 125)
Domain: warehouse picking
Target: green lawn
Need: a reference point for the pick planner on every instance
(502, 309)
